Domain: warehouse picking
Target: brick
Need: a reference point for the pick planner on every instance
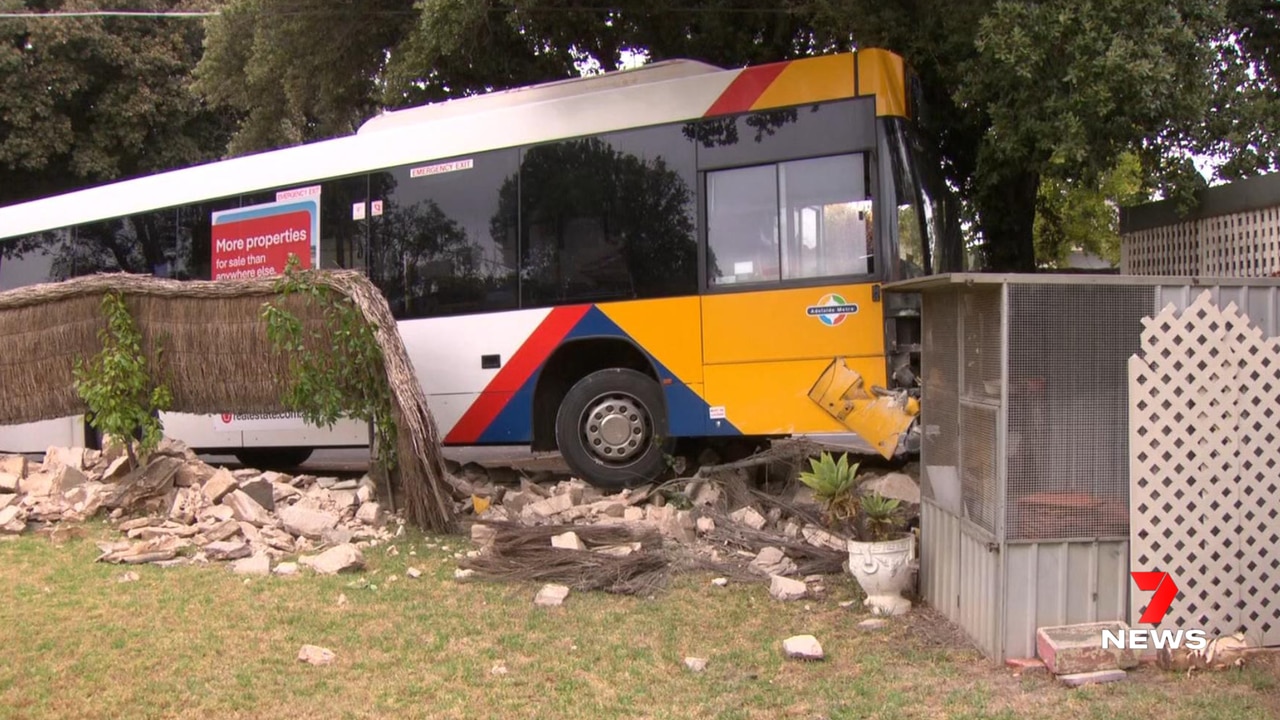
(1072, 649)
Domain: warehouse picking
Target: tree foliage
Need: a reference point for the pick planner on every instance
(1023, 98)
(122, 396)
(84, 100)
(1073, 216)
(346, 380)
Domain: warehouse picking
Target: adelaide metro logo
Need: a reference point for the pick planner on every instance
(832, 309)
(1165, 591)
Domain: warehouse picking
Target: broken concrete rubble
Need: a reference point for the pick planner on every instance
(316, 655)
(305, 521)
(749, 517)
(783, 588)
(174, 508)
(802, 647)
(772, 561)
(343, 558)
(189, 507)
(551, 596)
(246, 509)
(568, 541)
(219, 484)
(15, 465)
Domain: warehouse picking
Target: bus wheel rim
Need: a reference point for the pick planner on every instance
(615, 427)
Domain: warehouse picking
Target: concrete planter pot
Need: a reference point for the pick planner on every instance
(885, 570)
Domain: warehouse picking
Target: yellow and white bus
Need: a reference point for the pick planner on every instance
(602, 266)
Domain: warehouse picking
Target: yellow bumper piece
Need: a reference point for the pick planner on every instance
(880, 419)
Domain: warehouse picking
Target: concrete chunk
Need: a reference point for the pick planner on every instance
(895, 485)
(1072, 649)
(261, 492)
(568, 541)
(803, 647)
(316, 655)
(551, 596)
(749, 517)
(335, 560)
(818, 537)
(772, 561)
(256, 565)
(67, 478)
(552, 505)
(246, 509)
(1093, 678)
(227, 550)
(369, 513)
(782, 588)
(217, 486)
(8, 482)
(305, 522)
(15, 465)
(483, 535)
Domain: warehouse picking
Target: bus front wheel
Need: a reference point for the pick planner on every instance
(612, 429)
(265, 458)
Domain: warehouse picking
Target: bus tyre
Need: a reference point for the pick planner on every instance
(273, 458)
(612, 429)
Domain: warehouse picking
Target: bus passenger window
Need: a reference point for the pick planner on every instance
(742, 226)
(826, 217)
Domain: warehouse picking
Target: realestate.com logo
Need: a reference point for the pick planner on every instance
(1165, 591)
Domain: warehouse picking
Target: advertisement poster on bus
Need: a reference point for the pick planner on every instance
(256, 241)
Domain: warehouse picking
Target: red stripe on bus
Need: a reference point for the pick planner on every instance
(544, 339)
(745, 89)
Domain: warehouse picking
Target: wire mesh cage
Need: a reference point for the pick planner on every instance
(1068, 457)
(1026, 405)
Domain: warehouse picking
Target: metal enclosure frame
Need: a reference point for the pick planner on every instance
(1001, 584)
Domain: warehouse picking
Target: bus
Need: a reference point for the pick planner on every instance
(610, 267)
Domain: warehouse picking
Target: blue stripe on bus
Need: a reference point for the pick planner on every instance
(687, 414)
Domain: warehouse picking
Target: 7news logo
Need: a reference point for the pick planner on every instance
(1165, 591)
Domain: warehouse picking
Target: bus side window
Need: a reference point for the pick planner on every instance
(826, 217)
(742, 225)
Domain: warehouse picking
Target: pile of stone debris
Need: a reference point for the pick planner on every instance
(719, 517)
(176, 509)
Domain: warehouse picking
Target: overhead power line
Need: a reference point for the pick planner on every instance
(109, 13)
(277, 13)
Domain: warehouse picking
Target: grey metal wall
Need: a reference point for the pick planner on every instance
(960, 575)
(1061, 583)
(999, 595)
(1260, 299)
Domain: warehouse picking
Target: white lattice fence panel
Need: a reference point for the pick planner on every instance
(1258, 377)
(1243, 244)
(1182, 464)
(1205, 468)
(1166, 250)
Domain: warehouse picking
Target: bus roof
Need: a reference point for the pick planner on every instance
(643, 75)
(668, 92)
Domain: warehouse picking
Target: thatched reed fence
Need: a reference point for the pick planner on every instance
(209, 346)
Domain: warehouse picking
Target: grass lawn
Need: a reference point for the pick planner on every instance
(200, 642)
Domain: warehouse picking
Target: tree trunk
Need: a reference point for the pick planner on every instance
(1006, 217)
